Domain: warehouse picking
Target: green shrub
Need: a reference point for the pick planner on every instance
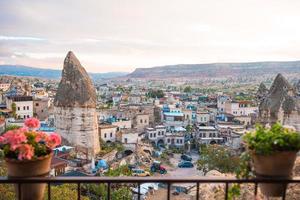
(265, 141)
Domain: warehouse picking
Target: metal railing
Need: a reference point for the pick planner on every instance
(140, 180)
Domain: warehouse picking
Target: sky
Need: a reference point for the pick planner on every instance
(121, 35)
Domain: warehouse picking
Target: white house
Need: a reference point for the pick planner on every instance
(107, 132)
(24, 106)
(202, 117)
(157, 134)
(208, 135)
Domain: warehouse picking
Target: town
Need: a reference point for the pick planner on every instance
(131, 127)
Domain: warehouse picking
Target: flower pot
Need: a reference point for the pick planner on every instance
(274, 166)
(29, 168)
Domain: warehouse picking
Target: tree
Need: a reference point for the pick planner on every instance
(155, 93)
(216, 157)
(14, 109)
(187, 89)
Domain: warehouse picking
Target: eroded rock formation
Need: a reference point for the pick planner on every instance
(280, 104)
(75, 106)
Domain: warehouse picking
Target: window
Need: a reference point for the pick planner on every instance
(162, 133)
(18, 108)
(125, 140)
(111, 135)
(168, 140)
(27, 116)
(24, 108)
(27, 107)
(24, 117)
(158, 132)
(154, 134)
(200, 134)
(36, 104)
(177, 141)
(141, 121)
(151, 135)
(105, 135)
(145, 121)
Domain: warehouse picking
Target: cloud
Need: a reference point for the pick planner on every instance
(20, 38)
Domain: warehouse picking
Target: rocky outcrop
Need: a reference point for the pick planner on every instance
(280, 104)
(75, 88)
(261, 92)
(75, 107)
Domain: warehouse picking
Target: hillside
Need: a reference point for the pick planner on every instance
(217, 70)
(20, 70)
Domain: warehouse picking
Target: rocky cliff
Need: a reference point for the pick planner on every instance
(216, 70)
(280, 104)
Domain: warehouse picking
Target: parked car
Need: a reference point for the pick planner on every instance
(140, 172)
(186, 157)
(185, 164)
(157, 167)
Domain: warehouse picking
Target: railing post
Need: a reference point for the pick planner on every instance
(49, 191)
(197, 194)
(78, 191)
(226, 191)
(108, 191)
(169, 191)
(139, 191)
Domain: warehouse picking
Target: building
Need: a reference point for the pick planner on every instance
(23, 106)
(173, 119)
(75, 107)
(142, 121)
(174, 139)
(41, 108)
(208, 135)
(108, 132)
(122, 123)
(156, 135)
(4, 86)
(203, 117)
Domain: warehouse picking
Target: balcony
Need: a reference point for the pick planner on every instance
(137, 181)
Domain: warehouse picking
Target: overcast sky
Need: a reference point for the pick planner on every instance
(121, 35)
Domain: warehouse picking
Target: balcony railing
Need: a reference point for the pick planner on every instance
(140, 180)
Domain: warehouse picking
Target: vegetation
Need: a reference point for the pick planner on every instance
(265, 141)
(122, 170)
(215, 157)
(187, 89)
(14, 109)
(155, 93)
(11, 127)
(109, 147)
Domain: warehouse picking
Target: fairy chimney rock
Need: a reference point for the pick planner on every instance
(75, 106)
(280, 104)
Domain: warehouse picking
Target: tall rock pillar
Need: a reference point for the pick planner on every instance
(75, 106)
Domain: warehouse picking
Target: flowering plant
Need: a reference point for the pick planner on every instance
(27, 143)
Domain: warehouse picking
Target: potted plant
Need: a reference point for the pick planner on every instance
(28, 153)
(273, 152)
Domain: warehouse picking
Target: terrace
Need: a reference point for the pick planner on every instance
(137, 181)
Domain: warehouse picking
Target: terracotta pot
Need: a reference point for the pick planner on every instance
(276, 165)
(29, 168)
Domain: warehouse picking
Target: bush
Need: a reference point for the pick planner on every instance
(215, 157)
(265, 141)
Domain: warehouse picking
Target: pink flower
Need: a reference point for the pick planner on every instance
(26, 151)
(41, 136)
(14, 138)
(32, 123)
(3, 140)
(53, 140)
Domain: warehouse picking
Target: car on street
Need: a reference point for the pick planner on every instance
(140, 172)
(185, 164)
(186, 157)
